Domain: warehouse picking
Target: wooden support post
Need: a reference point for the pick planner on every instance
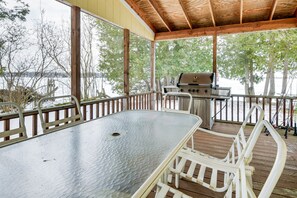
(126, 65)
(214, 57)
(153, 69)
(75, 52)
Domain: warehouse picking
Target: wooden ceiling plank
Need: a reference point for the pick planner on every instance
(211, 13)
(155, 6)
(274, 4)
(185, 13)
(229, 29)
(241, 10)
(141, 14)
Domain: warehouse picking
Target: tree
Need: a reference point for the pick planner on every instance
(180, 56)
(111, 56)
(240, 58)
(19, 11)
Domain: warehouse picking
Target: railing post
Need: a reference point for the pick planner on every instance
(75, 52)
(153, 78)
(126, 66)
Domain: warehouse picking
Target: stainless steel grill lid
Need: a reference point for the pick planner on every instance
(202, 79)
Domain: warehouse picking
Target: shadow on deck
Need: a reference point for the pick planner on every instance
(263, 158)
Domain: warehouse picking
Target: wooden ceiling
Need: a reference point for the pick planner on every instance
(171, 19)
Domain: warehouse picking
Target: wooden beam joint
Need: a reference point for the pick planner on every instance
(211, 13)
(141, 14)
(274, 4)
(185, 13)
(155, 6)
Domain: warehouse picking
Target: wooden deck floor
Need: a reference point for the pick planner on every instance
(263, 158)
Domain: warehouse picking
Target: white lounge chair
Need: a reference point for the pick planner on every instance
(239, 184)
(201, 162)
(74, 118)
(11, 136)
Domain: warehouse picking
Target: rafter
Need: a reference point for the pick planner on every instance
(229, 29)
(185, 13)
(140, 13)
(155, 6)
(272, 9)
(211, 13)
(241, 10)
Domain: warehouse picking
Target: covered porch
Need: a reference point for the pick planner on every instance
(163, 20)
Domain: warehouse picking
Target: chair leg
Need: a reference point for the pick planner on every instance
(249, 170)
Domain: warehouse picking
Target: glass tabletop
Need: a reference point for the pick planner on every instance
(108, 157)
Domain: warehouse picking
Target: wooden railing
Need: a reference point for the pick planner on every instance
(279, 110)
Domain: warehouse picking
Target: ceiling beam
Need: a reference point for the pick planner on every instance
(241, 10)
(140, 13)
(211, 13)
(229, 29)
(272, 9)
(155, 6)
(185, 13)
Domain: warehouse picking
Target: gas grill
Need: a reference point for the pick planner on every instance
(203, 89)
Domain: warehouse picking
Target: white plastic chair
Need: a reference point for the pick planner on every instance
(74, 119)
(242, 185)
(239, 185)
(16, 134)
(201, 162)
(177, 94)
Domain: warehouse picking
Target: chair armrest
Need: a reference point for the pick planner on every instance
(217, 133)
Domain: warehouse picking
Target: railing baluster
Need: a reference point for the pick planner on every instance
(220, 109)
(46, 118)
(276, 111)
(34, 124)
(270, 101)
(57, 116)
(84, 112)
(226, 109)
(91, 111)
(263, 104)
(97, 110)
(6, 128)
(284, 112)
(292, 112)
(237, 108)
(108, 107)
(257, 100)
(103, 108)
(232, 108)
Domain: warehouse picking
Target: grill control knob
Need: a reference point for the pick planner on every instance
(181, 90)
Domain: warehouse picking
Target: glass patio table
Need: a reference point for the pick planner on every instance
(120, 155)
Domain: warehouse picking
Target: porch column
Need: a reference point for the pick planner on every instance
(126, 65)
(75, 52)
(153, 70)
(214, 57)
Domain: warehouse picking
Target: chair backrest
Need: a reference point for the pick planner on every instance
(242, 186)
(238, 148)
(11, 136)
(177, 94)
(74, 118)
